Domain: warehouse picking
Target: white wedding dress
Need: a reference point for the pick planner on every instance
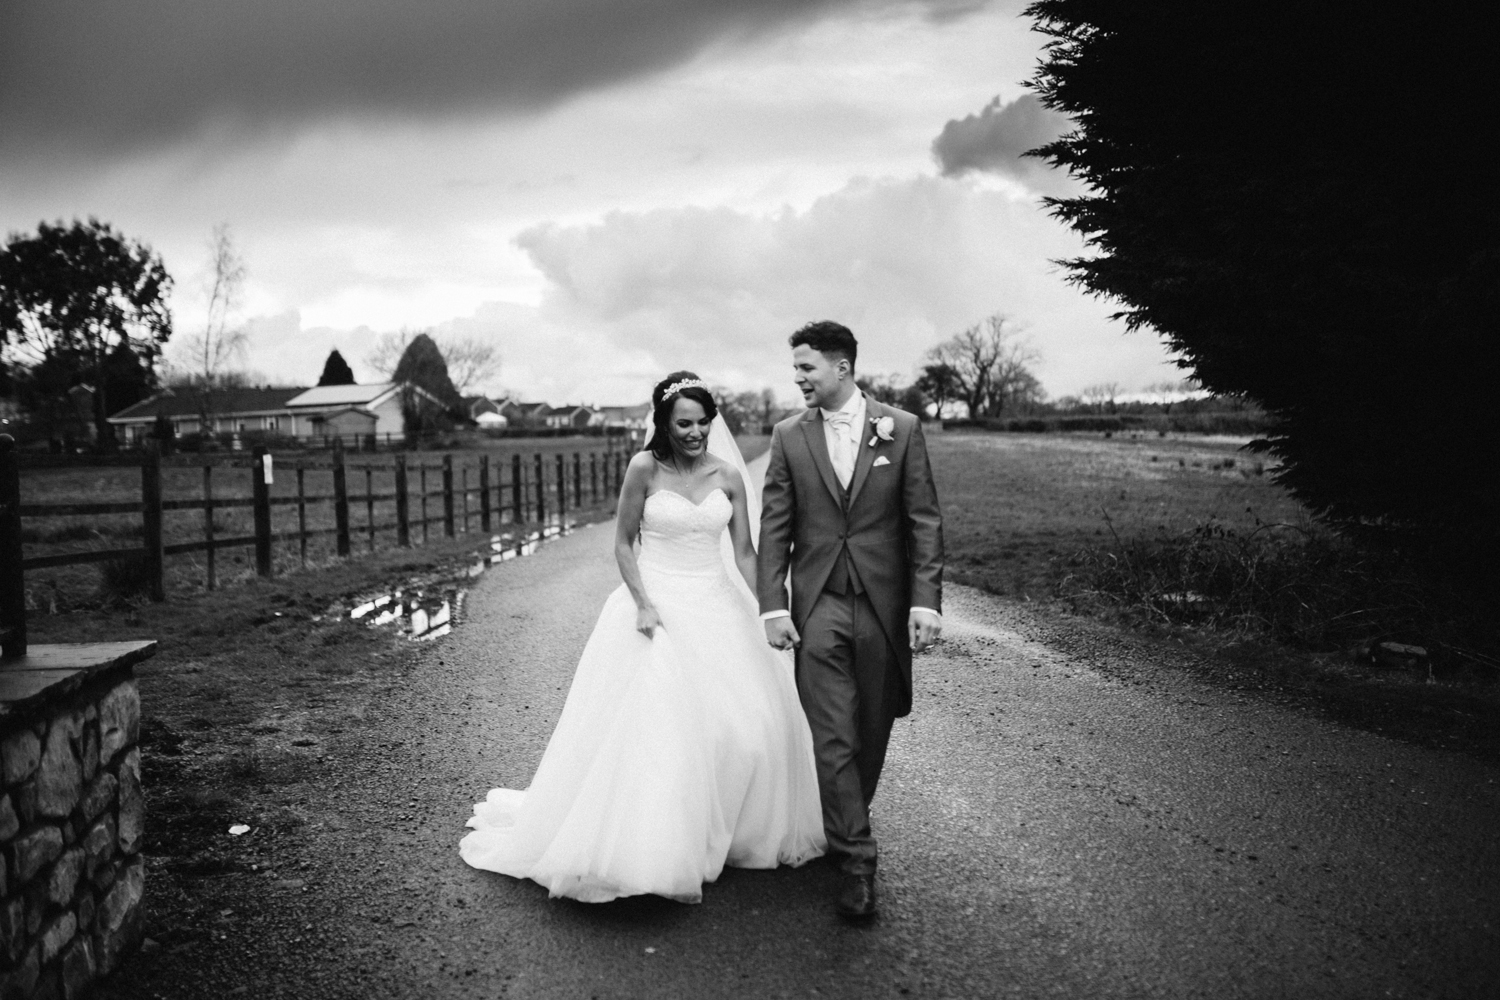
(674, 755)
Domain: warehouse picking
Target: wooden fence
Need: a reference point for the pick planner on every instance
(429, 491)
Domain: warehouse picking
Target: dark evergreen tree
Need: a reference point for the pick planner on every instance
(422, 366)
(1298, 198)
(336, 370)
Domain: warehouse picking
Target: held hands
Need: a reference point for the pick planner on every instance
(781, 633)
(922, 629)
(647, 621)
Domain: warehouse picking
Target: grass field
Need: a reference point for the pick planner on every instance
(1018, 508)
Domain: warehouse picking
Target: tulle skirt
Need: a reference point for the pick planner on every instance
(674, 756)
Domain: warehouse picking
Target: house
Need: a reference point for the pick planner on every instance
(262, 409)
(523, 414)
(566, 416)
(632, 417)
(312, 410)
(325, 411)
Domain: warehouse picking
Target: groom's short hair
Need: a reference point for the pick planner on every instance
(829, 339)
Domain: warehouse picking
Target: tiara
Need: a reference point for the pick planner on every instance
(687, 383)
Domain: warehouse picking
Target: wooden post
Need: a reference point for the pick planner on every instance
(562, 486)
(448, 495)
(302, 514)
(463, 489)
(484, 493)
(340, 498)
(541, 490)
(12, 581)
(261, 492)
(370, 504)
(517, 492)
(403, 509)
(577, 480)
(422, 476)
(151, 520)
(208, 524)
(594, 476)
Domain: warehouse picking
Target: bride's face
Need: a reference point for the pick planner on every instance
(688, 428)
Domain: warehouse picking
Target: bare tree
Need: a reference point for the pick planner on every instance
(986, 364)
(386, 354)
(471, 362)
(220, 342)
(1101, 394)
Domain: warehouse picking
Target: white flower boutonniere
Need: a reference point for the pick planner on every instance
(885, 428)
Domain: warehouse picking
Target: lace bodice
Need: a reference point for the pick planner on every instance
(681, 537)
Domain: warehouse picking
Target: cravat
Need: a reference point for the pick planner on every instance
(843, 448)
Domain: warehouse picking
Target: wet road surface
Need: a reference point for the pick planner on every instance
(1047, 830)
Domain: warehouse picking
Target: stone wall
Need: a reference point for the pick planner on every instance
(71, 815)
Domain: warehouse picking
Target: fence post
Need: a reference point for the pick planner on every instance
(577, 480)
(403, 508)
(370, 504)
(594, 476)
(484, 493)
(517, 492)
(340, 499)
(12, 580)
(261, 491)
(302, 514)
(448, 495)
(562, 486)
(208, 525)
(541, 490)
(151, 520)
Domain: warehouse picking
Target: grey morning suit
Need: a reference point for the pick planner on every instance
(860, 559)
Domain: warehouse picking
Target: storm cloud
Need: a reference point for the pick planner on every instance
(86, 77)
(994, 140)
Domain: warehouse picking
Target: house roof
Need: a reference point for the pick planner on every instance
(341, 395)
(224, 402)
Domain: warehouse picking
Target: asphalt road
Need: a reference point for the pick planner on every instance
(1050, 826)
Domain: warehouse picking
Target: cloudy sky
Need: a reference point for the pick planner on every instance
(605, 191)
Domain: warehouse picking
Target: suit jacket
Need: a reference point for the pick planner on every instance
(889, 524)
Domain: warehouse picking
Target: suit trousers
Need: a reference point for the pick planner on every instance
(847, 679)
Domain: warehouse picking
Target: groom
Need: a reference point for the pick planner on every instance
(849, 506)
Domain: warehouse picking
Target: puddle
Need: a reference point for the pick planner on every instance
(430, 608)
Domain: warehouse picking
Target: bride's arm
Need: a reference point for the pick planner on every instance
(739, 527)
(627, 528)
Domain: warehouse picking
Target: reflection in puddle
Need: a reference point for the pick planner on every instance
(431, 610)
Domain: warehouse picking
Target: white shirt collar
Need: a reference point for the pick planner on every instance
(852, 405)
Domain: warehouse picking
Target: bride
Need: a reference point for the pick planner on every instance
(682, 746)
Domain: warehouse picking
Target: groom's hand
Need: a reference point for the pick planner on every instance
(922, 629)
(781, 633)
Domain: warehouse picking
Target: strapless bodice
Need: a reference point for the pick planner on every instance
(682, 538)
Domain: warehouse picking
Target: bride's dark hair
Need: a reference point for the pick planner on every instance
(661, 410)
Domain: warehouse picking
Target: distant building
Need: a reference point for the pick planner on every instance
(325, 411)
(633, 417)
(524, 414)
(230, 411)
(568, 415)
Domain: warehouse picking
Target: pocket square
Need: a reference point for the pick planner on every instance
(882, 460)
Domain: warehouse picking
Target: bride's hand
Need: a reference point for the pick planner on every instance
(646, 621)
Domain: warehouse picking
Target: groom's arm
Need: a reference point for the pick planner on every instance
(924, 526)
(777, 506)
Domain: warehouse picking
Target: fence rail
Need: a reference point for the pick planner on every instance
(527, 489)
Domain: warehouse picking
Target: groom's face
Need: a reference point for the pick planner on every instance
(821, 377)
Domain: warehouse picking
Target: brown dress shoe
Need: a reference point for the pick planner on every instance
(857, 897)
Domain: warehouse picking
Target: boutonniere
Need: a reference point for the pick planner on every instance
(885, 428)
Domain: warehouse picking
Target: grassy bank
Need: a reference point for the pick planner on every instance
(1187, 539)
